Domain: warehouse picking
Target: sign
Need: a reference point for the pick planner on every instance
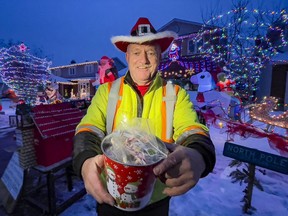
(256, 157)
(13, 176)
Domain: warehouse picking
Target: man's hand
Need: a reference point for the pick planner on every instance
(182, 169)
(91, 171)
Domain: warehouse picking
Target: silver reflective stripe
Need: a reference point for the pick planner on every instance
(112, 103)
(170, 100)
(113, 98)
(98, 132)
(186, 134)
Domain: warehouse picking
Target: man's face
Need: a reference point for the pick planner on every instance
(143, 61)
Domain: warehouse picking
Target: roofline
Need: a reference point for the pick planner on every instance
(184, 21)
(73, 65)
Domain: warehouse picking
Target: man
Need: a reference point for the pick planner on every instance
(144, 94)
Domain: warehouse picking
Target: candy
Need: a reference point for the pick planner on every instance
(134, 147)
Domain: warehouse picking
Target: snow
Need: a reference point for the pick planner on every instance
(214, 195)
(8, 109)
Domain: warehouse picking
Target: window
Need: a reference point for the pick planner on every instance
(193, 46)
(88, 69)
(57, 72)
(72, 71)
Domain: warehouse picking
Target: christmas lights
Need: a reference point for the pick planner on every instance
(262, 112)
(244, 40)
(22, 72)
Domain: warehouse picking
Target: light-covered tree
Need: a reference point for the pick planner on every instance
(244, 40)
(23, 72)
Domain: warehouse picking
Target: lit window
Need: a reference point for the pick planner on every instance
(193, 46)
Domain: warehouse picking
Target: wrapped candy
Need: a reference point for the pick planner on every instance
(134, 147)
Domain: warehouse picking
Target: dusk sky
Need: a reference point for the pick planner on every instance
(81, 29)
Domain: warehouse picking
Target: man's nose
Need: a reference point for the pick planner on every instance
(144, 58)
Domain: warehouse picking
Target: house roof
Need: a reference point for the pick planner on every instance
(58, 79)
(82, 78)
(118, 63)
(176, 20)
(74, 65)
(181, 21)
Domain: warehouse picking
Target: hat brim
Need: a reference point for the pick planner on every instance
(164, 39)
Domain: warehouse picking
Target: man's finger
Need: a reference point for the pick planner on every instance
(172, 160)
(102, 196)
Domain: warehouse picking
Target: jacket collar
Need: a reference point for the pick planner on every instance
(157, 82)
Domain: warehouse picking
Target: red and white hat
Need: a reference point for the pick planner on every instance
(143, 32)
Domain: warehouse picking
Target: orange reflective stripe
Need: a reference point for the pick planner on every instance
(109, 86)
(163, 111)
(177, 88)
(121, 87)
(84, 130)
(120, 93)
(169, 140)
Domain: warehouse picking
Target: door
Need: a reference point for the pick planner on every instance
(279, 82)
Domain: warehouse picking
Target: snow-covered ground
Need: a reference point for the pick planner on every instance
(8, 108)
(214, 195)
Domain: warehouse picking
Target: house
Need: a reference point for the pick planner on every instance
(184, 57)
(80, 77)
(274, 77)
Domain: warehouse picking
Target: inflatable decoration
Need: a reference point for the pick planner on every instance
(220, 103)
(224, 84)
(174, 52)
(52, 93)
(205, 83)
(107, 70)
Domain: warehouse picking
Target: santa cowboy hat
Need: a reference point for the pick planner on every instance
(143, 32)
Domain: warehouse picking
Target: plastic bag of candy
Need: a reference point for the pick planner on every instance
(134, 144)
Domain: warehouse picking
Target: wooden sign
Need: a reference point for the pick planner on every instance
(256, 157)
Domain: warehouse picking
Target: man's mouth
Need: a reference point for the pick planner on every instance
(144, 67)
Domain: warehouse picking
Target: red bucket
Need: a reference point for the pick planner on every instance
(130, 185)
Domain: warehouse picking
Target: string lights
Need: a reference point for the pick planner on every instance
(242, 39)
(23, 72)
(244, 44)
(262, 112)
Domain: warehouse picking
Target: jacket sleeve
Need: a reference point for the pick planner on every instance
(86, 145)
(205, 147)
(90, 131)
